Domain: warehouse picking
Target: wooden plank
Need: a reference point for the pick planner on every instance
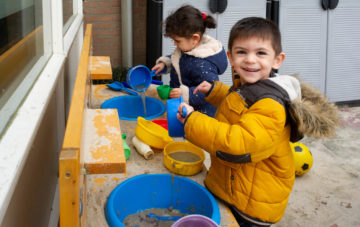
(84, 202)
(103, 146)
(74, 124)
(69, 178)
(70, 165)
(100, 68)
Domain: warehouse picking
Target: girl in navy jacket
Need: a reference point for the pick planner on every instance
(197, 57)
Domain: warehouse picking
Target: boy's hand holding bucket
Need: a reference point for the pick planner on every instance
(184, 110)
(176, 115)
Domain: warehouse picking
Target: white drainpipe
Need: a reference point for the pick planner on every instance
(126, 26)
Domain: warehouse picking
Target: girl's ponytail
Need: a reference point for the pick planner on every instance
(209, 21)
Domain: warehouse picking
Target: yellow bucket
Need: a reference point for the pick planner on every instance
(190, 162)
(152, 134)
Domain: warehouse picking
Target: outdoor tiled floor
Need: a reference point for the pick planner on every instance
(329, 194)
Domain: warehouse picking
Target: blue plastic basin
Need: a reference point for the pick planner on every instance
(130, 107)
(162, 191)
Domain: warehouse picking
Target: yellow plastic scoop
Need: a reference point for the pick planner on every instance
(152, 134)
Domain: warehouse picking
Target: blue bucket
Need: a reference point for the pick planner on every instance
(130, 107)
(139, 78)
(162, 191)
(175, 127)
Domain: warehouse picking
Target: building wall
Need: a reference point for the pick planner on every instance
(139, 32)
(34, 201)
(105, 15)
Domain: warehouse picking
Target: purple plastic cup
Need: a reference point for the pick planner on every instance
(195, 220)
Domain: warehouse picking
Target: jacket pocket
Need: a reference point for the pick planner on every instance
(233, 107)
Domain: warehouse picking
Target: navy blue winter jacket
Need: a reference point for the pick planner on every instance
(204, 63)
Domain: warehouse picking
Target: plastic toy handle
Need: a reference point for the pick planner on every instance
(177, 166)
(125, 84)
(152, 73)
(117, 86)
(126, 147)
(131, 92)
(157, 82)
(184, 112)
(164, 218)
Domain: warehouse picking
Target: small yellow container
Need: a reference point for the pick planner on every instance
(181, 167)
(152, 134)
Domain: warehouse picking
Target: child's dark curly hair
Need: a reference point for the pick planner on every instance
(186, 21)
(256, 27)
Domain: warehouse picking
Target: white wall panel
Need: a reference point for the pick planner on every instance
(343, 62)
(303, 26)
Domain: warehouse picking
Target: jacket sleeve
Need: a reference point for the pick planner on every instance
(167, 61)
(204, 71)
(254, 134)
(218, 93)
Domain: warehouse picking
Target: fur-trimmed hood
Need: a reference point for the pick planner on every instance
(208, 47)
(310, 112)
(313, 115)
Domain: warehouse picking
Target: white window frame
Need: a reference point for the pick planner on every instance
(17, 140)
(72, 17)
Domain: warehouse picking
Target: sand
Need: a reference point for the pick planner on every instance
(329, 194)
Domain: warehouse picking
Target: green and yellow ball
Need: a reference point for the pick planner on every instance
(302, 158)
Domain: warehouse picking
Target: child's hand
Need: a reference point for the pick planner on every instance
(204, 87)
(158, 67)
(175, 93)
(189, 109)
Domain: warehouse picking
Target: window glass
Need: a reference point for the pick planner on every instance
(21, 52)
(68, 13)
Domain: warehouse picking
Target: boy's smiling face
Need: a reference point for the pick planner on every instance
(253, 58)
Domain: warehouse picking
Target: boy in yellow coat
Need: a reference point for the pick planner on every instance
(252, 167)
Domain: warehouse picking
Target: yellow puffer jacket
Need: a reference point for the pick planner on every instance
(248, 141)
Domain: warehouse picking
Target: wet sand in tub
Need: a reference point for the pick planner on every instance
(154, 217)
(184, 156)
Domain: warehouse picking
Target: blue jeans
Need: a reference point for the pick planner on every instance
(240, 220)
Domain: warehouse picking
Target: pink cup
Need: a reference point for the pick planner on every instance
(195, 220)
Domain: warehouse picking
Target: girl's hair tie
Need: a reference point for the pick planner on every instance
(204, 16)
